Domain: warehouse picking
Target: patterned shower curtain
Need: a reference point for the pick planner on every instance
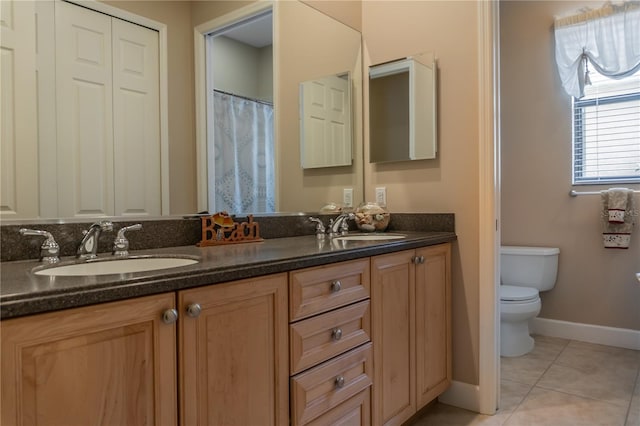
(244, 163)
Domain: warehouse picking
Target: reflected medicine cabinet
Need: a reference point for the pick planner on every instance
(402, 111)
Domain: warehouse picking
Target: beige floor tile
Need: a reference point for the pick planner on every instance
(512, 394)
(559, 383)
(590, 357)
(633, 417)
(446, 415)
(594, 371)
(555, 344)
(530, 367)
(549, 408)
(610, 385)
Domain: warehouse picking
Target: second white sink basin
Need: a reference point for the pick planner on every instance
(371, 237)
(117, 266)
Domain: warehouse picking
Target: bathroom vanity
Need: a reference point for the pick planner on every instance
(289, 330)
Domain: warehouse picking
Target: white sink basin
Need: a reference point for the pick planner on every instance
(117, 266)
(371, 237)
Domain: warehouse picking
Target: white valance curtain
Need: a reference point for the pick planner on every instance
(608, 38)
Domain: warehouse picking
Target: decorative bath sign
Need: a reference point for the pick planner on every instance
(221, 229)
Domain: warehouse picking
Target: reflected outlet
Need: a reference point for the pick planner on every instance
(347, 197)
(381, 196)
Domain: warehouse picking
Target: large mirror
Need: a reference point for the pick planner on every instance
(307, 43)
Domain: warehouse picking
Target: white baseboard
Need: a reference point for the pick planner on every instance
(610, 336)
(462, 395)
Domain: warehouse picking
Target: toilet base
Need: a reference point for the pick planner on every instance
(515, 339)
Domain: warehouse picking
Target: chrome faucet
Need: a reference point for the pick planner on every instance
(339, 225)
(121, 243)
(49, 250)
(89, 245)
(320, 229)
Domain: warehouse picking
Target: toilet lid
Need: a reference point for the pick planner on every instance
(514, 293)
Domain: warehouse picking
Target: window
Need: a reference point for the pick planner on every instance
(606, 131)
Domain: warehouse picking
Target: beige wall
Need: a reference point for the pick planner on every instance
(396, 29)
(595, 285)
(346, 11)
(182, 151)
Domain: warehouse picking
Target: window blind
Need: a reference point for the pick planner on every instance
(606, 131)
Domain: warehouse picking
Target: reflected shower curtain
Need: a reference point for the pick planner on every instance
(244, 160)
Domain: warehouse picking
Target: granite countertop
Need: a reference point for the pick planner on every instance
(23, 293)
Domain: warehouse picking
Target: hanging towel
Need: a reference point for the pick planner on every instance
(617, 204)
(617, 234)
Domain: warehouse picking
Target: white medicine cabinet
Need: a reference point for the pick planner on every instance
(403, 110)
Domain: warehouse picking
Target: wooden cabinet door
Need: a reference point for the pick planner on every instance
(234, 354)
(393, 336)
(433, 322)
(108, 364)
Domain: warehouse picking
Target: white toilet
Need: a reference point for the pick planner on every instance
(524, 272)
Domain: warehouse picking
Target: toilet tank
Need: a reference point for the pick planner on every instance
(535, 267)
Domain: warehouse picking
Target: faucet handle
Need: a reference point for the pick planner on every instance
(121, 243)
(320, 229)
(49, 250)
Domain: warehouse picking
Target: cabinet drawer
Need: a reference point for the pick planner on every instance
(355, 411)
(317, 339)
(317, 391)
(317, 290)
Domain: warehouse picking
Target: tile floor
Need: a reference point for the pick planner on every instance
(560, 383)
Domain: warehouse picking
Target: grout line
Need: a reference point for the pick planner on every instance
(551, 364)
(582, 396)
(633, 392)
(524, 398)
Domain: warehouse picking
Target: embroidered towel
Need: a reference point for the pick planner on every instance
(614, 234)
(617, 204)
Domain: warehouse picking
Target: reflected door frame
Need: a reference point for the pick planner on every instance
(199, 42)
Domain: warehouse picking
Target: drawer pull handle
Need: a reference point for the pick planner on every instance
(193, 310)
(339, 382)
(336, 286)
(170, 316)
(336, 334)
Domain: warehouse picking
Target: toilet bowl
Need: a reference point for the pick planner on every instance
(517, 306)
(524, 272)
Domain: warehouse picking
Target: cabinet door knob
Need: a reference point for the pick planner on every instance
(170, 316)
(336, 334)
(339, 382)
(336, 286)
(421, 259)
(193, 310)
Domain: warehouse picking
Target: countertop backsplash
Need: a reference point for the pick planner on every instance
(185, 231)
